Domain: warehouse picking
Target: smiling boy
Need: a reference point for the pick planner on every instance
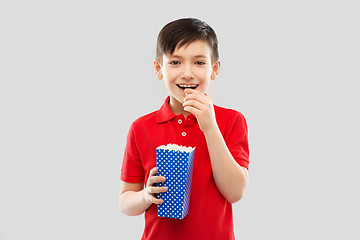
(187, 59)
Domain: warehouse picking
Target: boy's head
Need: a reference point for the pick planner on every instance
(187, 57)
(183, 32)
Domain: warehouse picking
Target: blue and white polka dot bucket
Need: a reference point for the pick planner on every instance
(175, 163)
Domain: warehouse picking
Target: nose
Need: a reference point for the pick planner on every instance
(187, 73)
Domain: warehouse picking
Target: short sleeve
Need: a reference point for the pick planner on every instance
(132, 170)
(238, 141)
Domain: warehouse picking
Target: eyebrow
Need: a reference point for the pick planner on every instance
(197, 56)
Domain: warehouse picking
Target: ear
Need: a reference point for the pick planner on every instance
(157, 69)
(215, 70)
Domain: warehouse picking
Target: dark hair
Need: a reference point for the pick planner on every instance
(183, 32)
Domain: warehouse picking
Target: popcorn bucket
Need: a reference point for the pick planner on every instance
(175, 163)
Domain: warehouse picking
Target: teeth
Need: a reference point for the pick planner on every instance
(187, 86)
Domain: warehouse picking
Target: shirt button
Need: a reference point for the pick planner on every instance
(183, 133)
(179, 121)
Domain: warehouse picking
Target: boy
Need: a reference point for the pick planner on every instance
(187, 58)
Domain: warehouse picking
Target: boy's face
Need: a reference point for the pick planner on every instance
(189, 66)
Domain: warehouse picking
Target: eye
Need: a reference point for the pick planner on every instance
(200, 63)
(174, 62)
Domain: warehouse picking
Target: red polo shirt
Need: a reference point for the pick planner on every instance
(210, 214)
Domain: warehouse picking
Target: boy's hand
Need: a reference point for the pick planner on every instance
(202, 107)
(150, 190)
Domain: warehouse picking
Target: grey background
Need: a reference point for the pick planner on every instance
(75, 74)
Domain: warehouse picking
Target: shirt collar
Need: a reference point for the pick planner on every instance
(165, 114)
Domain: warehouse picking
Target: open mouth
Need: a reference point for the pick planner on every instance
(185, 86)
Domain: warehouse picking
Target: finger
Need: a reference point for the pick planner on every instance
(155, 200)
(197, 96)
(152, 190)
(153, 171)
(156, 179)
(192, 110)
(189, 91)
(193, 103)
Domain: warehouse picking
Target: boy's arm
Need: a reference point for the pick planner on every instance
(131, 200)
(230, 178)
(134, 199)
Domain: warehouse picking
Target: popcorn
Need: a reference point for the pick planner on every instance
(175, 163)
